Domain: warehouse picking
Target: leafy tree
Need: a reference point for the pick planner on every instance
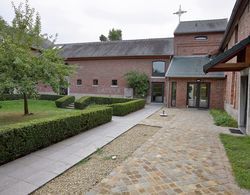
(115, 35)
(103, 38)
(139, 82)
(23, 61)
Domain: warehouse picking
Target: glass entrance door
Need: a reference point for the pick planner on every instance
(198, 95)
(157, 92)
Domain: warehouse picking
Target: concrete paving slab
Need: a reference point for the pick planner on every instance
(34, 170)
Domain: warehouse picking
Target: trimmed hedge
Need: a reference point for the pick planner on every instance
(121, 106)
(20, 96)
(83, 102)
(19, 140)
(11, 97)
(51, 97)
(122, 109)
(64, 101)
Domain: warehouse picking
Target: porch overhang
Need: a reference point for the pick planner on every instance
(241, 50)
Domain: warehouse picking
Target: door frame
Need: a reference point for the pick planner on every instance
(163, 95)
(198, 95)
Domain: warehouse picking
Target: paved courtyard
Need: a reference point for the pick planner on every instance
(184, 157)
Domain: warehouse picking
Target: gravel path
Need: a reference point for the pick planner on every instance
(90, 171)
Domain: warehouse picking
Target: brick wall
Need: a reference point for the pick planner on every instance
(186, 44)
(106, 71)
(217, 87)
(232, 83)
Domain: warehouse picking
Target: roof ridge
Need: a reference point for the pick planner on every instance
(119, 41)
(204, 20)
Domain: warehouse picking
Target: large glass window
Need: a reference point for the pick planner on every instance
(173, 95)
(159, 68)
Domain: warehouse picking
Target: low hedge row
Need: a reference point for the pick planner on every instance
(64, 101)
(122, 109)
(20, 96)
(121, 106)
(19, 140)
(49, 97)
(10, 97)
(83, 102)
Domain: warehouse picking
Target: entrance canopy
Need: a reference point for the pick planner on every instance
(241, 50)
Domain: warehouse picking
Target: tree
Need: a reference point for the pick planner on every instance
(103, 38)
(139, 82)
(115, 35)
(23, 61)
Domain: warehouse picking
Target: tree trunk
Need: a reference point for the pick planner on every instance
(25, 101)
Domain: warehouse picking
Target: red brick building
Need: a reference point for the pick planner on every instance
(101, 66)
(234, 59)
(188, 86)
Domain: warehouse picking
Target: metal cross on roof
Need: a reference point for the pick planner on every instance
(180, 12)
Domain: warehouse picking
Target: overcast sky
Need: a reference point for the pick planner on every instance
(85, 20)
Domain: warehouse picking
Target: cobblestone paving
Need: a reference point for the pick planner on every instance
(184, 157)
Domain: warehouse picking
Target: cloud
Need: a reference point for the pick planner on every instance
(85, 20)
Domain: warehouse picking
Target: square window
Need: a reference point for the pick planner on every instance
(95, 82)
(159, 68)
(114, 83)
(79, 82)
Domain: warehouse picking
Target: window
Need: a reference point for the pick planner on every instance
(95, 82)
(159, 68)
(114, 83)
(79, 82)
(236, 34)
(173, 94)
(201, 38)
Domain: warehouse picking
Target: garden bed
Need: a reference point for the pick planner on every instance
(90, 171)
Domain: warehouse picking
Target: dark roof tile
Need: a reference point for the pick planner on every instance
(126, 48)
(201, 26)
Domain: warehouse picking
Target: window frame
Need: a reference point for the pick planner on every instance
(112, 83)
(77, 82)
(201, 38)
(159, 74)
(94, 82)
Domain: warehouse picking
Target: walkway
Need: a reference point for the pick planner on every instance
(184, 157)
(26, 174)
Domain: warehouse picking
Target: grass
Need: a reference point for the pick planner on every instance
(238, 152)
(12, 111)
(222, 118)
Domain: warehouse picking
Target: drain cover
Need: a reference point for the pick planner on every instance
(236, 131)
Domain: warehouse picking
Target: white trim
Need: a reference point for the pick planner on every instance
(114, 86)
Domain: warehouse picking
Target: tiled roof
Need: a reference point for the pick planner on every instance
(127, 48)
(199, 26)
(190, 67)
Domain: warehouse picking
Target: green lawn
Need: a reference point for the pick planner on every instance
(238, 152)
(222, 118)
(12, 111)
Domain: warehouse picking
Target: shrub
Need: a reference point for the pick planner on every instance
(83, 102)
(121, 109)
(108, 100)
(64, 101)
(10, 97)
(19, 140)
(139, 82)
(49, 97)
(222, 118)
